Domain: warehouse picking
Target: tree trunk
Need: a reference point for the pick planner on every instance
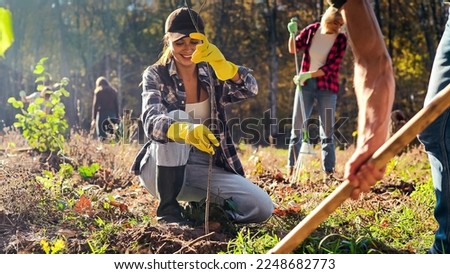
(273, 69)
(425, 25)
(71, 101)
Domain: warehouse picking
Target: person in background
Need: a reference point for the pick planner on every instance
(374, 86)
(183, 113)
(436, 140)
(29, 98)
(105, 109)
(323, 45)
(45, 93)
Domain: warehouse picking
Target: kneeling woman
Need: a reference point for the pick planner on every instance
(183, 113)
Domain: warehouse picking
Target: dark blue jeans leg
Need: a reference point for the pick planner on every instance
(436, 139)
(327, 109)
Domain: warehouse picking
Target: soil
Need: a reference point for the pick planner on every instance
(29, 216)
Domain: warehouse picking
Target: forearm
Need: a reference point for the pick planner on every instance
(233, 91)
(317, 73)
(374, 79)
(291, 45)
(375, 95)
(154, 115)
(94, 113)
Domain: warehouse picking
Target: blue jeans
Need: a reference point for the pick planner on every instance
(326, 105)
(436, 139)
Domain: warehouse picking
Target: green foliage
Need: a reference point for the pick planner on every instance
(58, 186)
(88, 171)
(42, 122)
(65, 170)
(340, 244)
(424, 194)
(247, 243)
(47, 180)
(99, 241)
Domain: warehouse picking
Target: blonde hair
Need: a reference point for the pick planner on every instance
(166, 53)
(100, 83)
(331, 15)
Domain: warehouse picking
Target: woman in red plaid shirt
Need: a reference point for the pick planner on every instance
(323, 47)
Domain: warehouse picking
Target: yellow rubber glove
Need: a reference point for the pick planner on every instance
(197, 135)
(207, 52)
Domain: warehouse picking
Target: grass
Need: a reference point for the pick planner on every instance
(90, 203)
(396, 217)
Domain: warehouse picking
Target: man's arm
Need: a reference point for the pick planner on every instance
(374, 87)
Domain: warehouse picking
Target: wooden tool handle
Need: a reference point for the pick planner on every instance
(380, 158)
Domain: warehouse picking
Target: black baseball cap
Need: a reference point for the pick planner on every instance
(180, 24)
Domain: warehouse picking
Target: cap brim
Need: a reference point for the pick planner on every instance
(174, 36)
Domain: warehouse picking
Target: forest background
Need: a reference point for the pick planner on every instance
(85, 39)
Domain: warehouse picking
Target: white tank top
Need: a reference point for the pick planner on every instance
(320, 47)
(200, 112)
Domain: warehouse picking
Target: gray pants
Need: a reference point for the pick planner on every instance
(253, 203)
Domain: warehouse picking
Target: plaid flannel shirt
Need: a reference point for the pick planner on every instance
(164, 92)
(330, 81)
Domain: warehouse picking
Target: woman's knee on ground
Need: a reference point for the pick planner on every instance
(256, 210)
